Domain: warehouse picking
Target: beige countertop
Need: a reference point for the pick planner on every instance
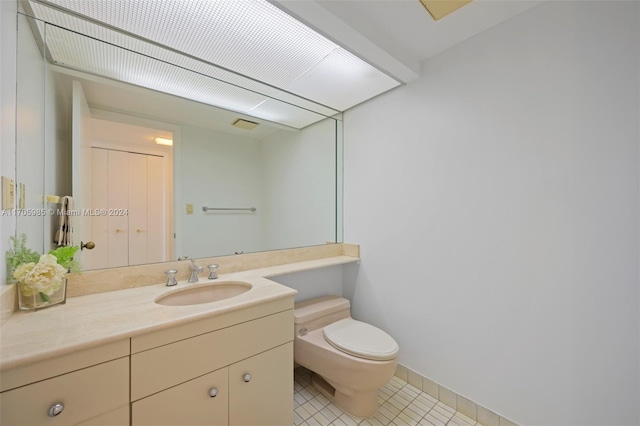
(96, 319)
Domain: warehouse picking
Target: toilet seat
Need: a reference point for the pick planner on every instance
(361, 340)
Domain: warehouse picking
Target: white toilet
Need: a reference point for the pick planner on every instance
(349, 359)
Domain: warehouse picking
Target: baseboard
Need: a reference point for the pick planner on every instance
(464, 405)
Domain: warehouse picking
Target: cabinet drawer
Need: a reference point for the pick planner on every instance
(170, 365)
(84, 393)
(188, 404)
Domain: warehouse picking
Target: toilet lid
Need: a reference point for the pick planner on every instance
(361, 339)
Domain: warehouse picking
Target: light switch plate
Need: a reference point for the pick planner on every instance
(8, 193)
(189, 208)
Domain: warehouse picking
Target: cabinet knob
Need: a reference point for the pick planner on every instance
(55, 409)
(213, 392)
(247, 377)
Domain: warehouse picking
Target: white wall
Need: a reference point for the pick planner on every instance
(496, 200)
(298, 197)
(8, 31)
(219, 170)
(314, 283)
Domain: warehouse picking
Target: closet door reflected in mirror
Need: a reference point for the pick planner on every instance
(129, 220)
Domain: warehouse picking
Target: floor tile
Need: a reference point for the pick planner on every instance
(400, 405)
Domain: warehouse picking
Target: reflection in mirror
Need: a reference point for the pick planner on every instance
(142, 202)
(29, 137)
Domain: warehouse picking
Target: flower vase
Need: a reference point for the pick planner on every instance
(33, 300)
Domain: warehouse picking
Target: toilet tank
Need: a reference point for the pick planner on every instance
(320, 312)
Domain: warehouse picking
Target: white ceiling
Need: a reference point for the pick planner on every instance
(403, 29)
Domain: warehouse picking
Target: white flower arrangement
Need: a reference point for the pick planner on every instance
(41, 279)
(44, 277)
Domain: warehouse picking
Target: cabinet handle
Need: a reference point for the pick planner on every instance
(247, 377)
(55, 409)
(139, 231)
(213, 392)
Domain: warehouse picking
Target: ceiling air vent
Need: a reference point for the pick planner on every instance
(441, 8)
(245, 124)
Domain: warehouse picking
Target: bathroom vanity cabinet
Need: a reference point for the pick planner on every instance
(227, 396)
(230, 369)
(238, 375)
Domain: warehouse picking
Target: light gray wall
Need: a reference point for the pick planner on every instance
(496, 200)
(219, 170)
(8, 37)
(299, 192)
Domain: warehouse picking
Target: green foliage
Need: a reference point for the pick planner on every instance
(64, 255)
(20, 253)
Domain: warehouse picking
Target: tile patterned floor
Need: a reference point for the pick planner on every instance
(400, 405)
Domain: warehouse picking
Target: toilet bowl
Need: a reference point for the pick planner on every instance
(350, 360)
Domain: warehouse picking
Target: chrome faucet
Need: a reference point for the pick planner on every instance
(195, 270)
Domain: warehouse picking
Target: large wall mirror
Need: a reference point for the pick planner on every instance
(263, 172)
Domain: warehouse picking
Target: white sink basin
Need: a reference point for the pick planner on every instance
(204, 293)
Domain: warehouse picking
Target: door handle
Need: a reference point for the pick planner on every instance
(89, 245)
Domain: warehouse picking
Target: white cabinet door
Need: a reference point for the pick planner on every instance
(261, 389)
(138, 209)
(156, 214)
(201, 401)
(118, 199)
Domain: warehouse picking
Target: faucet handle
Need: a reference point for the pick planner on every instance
(212, 271)
(171, 277)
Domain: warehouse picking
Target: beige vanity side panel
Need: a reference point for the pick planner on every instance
(188, 404)
(117, 417)
(169, 365)
(48, 368)
(85, 394)
(180, 332)
(267, 399)
(352, 250)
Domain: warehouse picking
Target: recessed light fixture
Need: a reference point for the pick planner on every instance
(245, 124)
(163, 141)
(207, 50)
(441, 8)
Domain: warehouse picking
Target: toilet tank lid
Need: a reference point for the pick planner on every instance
(312, 309)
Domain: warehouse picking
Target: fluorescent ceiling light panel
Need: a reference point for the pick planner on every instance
(289, 115)
(249, 37)
(164, 141)
(339, 79)
(441, 8)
